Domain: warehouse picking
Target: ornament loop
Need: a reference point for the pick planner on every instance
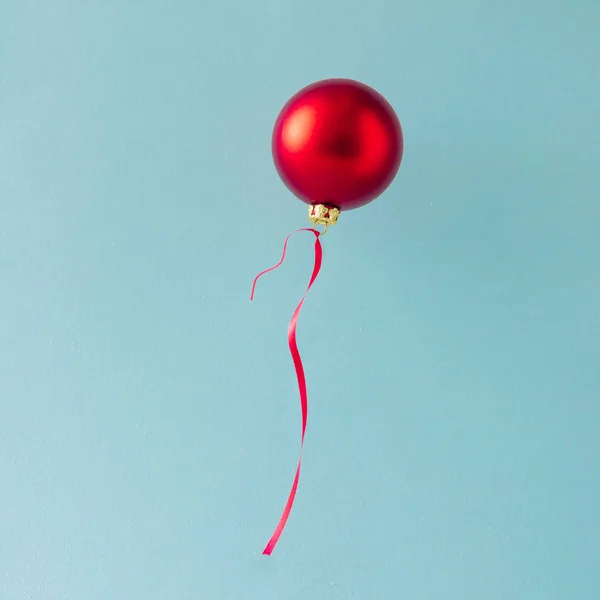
(321, 233)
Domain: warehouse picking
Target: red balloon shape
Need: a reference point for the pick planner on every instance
(337, 142)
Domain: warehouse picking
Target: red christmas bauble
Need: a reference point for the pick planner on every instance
(337, 142)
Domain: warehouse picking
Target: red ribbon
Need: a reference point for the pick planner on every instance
(299, 374)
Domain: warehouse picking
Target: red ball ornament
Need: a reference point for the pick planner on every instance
(337, 143)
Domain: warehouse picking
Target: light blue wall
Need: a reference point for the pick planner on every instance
(149, 420)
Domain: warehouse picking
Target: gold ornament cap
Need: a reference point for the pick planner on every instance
(321, 214)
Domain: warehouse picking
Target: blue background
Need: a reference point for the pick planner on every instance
(150, 424)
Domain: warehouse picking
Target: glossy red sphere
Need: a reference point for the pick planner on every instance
(337, 142)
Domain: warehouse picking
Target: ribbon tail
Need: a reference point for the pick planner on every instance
(286, 513)
(299, 375)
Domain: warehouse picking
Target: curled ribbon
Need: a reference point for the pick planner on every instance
(299, 374)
